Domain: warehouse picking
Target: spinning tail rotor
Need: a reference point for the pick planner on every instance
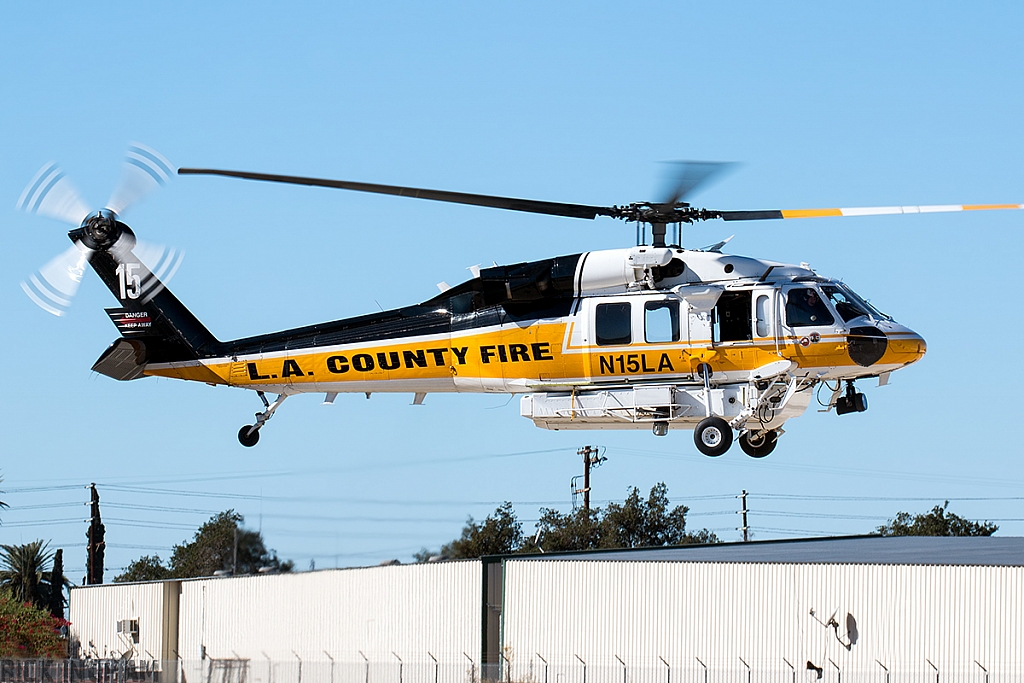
(50, 193)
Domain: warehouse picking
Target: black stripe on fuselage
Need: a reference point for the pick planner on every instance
(504, 294)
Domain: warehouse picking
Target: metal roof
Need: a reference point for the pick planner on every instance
(893, 550)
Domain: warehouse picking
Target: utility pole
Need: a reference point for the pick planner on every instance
(590, 459)
(745, 529)
(96, 544)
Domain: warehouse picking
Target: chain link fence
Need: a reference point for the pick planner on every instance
(535, 669)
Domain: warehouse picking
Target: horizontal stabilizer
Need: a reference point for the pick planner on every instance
(125, 359)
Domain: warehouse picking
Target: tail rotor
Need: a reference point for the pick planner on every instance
(50, 193)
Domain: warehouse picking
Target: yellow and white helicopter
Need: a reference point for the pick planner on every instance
(649, 337)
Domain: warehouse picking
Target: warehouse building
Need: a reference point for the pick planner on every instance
(855, 608)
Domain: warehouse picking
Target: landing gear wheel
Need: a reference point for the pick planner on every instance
(760, 445)
(246, 438)
(713, 436)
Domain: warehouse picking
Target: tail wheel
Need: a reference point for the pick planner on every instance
(758, 445)
(713, 436)
(248, 438)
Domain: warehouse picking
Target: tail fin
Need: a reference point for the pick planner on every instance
(155, 326)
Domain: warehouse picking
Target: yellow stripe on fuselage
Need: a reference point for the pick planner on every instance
(539, 352)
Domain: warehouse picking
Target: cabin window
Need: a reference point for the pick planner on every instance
(762, 312)
(804, 308)
(661, 321)
(846, 306)
(732, 317)
(613, 324)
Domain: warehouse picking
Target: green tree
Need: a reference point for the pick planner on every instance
(146, 568)
(938, 522)
(55, 599)
(212, 549)
(640, 524)
(576, 530)
(23, 573)
(634, 523)
(499, 534)
(29, 632)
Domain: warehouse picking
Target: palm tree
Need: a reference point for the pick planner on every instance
(22, 572)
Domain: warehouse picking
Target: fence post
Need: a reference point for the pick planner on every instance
(545, 666)
(367, 678)
(668, 670)
(748, 669)
(584, 666)
(472, 668)
(508, 668)
(705, 668)
(400, 665)
(332, 664)
(435, 665)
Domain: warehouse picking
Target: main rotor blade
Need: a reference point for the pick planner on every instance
(145, 170)
(495, 202)
(50, 193)
(860, 211)
(685, 176)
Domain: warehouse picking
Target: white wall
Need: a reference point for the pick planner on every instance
(682, 611)
(408, 610)
(95, 610)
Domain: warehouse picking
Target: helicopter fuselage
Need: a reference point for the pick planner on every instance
(571, 325)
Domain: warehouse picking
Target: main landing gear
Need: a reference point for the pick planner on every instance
(713, 437)
(759, 444)
(249, 435)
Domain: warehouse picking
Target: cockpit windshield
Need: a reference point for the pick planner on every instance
(848, 304)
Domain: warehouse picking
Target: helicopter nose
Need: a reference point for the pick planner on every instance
(907, 348)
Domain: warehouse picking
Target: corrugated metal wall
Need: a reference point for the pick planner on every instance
(95, 610)
(668, 620)
(408, 611)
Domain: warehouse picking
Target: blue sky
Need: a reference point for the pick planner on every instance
(865, 105)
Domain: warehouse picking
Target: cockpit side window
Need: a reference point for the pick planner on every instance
(612, 324)
(804, 308)
(661, 321)
(846, 306)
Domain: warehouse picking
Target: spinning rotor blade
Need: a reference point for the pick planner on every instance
(686, 176)
(510, 203)
(860, 211)
(54, 285)
(145, 170)
(50, 193)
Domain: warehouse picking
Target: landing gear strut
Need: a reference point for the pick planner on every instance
(249, 435)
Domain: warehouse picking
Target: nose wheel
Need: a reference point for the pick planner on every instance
(249, 435)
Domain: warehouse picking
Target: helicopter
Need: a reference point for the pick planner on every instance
(652, 336)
